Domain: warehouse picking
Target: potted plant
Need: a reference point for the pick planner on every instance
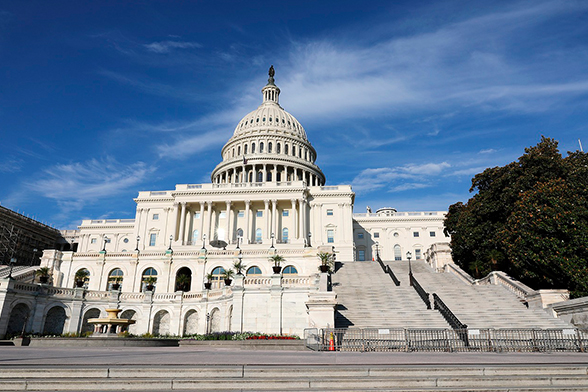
(81, 276)
(43, 273)
(209, 278)
(182, 282)
(239, 266)
(150, 283)
(326, 261)
(115, 286)
(277, 260)
(228, 276)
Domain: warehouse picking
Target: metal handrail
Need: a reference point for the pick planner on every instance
(451, 318)
(420, 291)
(388, 270)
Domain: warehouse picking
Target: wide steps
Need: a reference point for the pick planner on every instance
(487, 306)
(368, 298)
(560, 377)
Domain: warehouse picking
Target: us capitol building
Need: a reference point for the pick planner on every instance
(267, 196)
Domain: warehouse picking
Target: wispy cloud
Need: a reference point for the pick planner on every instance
(77, 184)
(168, 46)
(399, 178)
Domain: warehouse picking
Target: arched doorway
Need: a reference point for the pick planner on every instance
(218, 277)
(191, 322)
(130, 314)
(184, 279)
(90, 313)
(215, 321)
(18, 318)
(55, 321)
(161, 323)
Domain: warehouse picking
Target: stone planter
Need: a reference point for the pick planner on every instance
(228, 282)
(79, 283)
(277, 269)
(207, 285)
(149, 287)
(43, 279)
(115, 286)
(324, 268)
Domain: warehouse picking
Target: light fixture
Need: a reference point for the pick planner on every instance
(137, 247)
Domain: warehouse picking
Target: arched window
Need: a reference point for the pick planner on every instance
(259, 176)
(238, 150)
(258, 236)
(149, 278)
(253, 148)
(115, 279)
(294, 151)
(285, 235)
(261, 147)
(269, 148)
(233, 153)
(397, 252)
(194, 237)
(245, 149)
(253, 271)
(217, 276)
(82, 275)
(290, 270)
(286, 149)
(299, 152)
(184, 279)
(278, 146)
(269, 176)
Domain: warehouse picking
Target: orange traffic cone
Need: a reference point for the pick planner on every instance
(331, 343)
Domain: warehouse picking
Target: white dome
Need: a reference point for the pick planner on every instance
(270, 116)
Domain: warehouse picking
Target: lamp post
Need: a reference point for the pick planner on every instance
(137, 247)
(409, 256)
(377, 250)
(12, 263)
(239, 238)
(33, 257)
(105, 241)
(171, 237)
(309, 236)
(273, 236)
(203, 241)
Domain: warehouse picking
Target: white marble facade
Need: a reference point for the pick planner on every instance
(266, 196)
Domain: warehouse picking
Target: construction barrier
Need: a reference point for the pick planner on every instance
(446, 340)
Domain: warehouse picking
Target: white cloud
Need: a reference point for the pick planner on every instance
(487, 151)
(399, 178)
(168, 46)
(77, 184)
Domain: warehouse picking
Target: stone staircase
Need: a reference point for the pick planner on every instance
(146, 378)
(485, 306)
(368, 298)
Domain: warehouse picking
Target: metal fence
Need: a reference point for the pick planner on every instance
(447, 340)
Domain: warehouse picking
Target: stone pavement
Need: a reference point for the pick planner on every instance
(169, 356)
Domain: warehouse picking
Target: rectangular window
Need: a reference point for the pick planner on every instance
(329, 212)
(432, 234)
(376, 235)
(330, 236)
(241, 214)
(415, 234)
(152, 238)
(222, 215)
(196, 215)
(259, 214)
(155, 216)
(361, 255)
(285, 213)
(359, 236)
(417, 254)
(93, 241)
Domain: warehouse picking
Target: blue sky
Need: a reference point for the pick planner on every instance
(406, 101)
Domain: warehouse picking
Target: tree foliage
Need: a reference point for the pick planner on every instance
(528, 218)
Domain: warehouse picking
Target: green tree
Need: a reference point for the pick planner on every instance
(527, 218)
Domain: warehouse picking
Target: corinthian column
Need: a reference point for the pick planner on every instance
(228, 236)
(247, 222)
(267, 219)
(295, 218)
(182, 223)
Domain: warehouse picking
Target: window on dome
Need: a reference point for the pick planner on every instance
(286, 149)
(278, 148)
(264, 119)
(233, 153)
(239, 150)
(257, 120)
(245, 149)
(261, 147)
(269, 176)
(270, 119)
(269, 148)
(293, 150)
(253, 148)
(283, 121)
(288, 122)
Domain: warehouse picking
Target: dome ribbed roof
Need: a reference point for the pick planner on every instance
(270, 116)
